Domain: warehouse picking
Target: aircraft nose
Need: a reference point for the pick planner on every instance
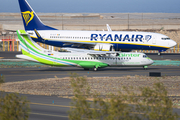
(172, 43)
(151, 62)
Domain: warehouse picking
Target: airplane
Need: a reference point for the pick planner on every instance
(97, 40)
(87, 59)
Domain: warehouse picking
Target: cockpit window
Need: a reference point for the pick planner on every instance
(165, 38)
(144, 56)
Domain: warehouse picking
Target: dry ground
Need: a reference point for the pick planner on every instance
(61, 86)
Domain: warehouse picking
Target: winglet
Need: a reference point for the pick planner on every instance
(108, 27)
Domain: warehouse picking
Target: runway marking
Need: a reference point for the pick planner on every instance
(50, 105)
(49, 115)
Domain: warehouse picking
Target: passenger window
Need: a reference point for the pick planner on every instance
(165, 38)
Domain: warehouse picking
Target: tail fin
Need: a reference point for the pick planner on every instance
(33, 52)
(27, 44)
(30, 19)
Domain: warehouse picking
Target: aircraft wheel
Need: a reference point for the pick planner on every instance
(145, 67)
(95, 69)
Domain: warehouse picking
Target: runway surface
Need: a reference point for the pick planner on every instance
(52, 107)
(21, 74)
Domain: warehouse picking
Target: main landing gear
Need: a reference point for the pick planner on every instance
(159, 53)
(95, 69)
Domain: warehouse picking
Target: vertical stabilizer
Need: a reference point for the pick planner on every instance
(30, 19)
(26, 43)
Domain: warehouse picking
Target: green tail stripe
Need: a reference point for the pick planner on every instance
(27, 38)
(29, 41)
(29, 47)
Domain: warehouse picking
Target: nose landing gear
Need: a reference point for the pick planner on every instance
(145, 67)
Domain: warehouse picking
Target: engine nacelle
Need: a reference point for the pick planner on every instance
(103, 47)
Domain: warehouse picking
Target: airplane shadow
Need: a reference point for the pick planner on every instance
(75, 69)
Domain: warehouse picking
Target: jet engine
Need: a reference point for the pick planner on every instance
(103, 47)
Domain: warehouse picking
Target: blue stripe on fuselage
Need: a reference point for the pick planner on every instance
(117, 47)
(137, 47)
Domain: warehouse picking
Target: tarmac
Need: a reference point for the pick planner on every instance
(9, 59)
(54, 107)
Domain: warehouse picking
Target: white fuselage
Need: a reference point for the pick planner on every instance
(119, 39)
(126, 59)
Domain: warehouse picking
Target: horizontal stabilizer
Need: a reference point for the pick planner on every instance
(26, 57)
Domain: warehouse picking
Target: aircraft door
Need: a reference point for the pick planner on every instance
(116, 59)
(154, 40)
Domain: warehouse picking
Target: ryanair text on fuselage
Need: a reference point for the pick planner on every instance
(120, 37)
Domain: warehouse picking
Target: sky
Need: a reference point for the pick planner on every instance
(95, 6)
